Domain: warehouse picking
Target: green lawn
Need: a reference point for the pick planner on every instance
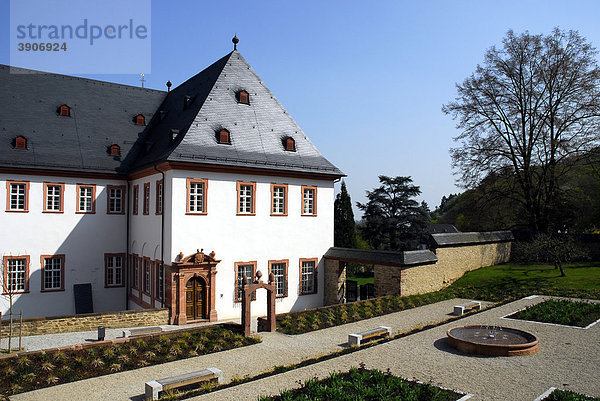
(511, 281)
(362, 279)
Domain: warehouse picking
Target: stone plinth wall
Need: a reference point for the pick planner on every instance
(453, 262)
(389, 280)
(335, 279)
(84, 322)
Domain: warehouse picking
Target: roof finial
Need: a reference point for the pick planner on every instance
(169, 86)
(235, 41)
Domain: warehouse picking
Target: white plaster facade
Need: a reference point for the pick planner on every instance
(82, 238)
(236, 238)
(222, 126)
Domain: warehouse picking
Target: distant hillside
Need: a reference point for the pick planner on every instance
(487, 208)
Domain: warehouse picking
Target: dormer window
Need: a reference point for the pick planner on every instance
(289, 144)
(243, 97)
(223, 136)
(20, 142)
(140, 119)
(64, 111)
(114, 150)
(187, 100)
(172, 135)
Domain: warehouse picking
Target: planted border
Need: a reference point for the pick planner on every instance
(559, 311)
(365, 384)
(335, 315)
(560, 395)
(36, 370)
(507, 289)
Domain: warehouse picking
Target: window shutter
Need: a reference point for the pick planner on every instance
(285, 284)
(316, 275)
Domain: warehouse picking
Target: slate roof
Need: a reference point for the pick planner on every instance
(388, 258)
(101, 115)
(454, 239)
(103, 112)
(256, 130)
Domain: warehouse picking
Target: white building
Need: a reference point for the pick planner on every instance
(104, 182)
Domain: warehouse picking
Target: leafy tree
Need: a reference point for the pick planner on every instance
(556, 249)
(534, 103)
(343, 220)
(392, 218)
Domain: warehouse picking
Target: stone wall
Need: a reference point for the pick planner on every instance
(389, 280)
(335, 279)
(84, 322)
(453, 262)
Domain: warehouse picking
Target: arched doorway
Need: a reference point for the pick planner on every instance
(195, 299)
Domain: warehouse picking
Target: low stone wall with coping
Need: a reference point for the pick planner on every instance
(457, 253)
(87, 322)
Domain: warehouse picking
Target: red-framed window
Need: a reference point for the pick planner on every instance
(17, 196)
(279, 268)
(53, 272)
(309, 201)
(114, 268)
(246, 198)
(146, 201)
(196, 196)
(243, 269)
(159, 196)
(86, 198)
(115, 199)
(16, 274)
(279, 197)
(308, 276)
(136, 198)
(54, 197)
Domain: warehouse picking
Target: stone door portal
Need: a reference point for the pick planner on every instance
(191, 284)
(195, 299)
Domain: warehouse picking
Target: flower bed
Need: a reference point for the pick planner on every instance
(36, 370)
(362, 384)
(559, 395)
(569, 313)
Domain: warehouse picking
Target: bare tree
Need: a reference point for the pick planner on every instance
(528, 113)
(10, 287)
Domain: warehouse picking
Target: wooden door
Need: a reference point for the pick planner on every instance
(195, 299)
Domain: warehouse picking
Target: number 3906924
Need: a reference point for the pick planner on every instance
(42, 47)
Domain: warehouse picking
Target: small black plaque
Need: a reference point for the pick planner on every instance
(83, 298)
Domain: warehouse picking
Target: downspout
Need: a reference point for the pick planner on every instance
(127, 258)
(162, 235)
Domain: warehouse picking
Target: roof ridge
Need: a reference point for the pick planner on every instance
(30, 71)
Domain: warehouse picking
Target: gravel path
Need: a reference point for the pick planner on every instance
(276, 349)
(569, 358)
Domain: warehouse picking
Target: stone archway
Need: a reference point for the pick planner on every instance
(247, 290)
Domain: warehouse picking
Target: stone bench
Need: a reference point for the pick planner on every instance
(461, 309)
(357, 338)
(142, 331)
(154, 387)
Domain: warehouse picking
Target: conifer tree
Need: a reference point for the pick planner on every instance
(344, 226)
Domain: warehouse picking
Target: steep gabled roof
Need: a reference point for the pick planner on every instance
(257, 130)
(101, 115)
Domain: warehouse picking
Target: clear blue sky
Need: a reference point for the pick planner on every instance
(365, 80)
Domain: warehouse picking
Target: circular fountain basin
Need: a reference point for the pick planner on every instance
(492, 341)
